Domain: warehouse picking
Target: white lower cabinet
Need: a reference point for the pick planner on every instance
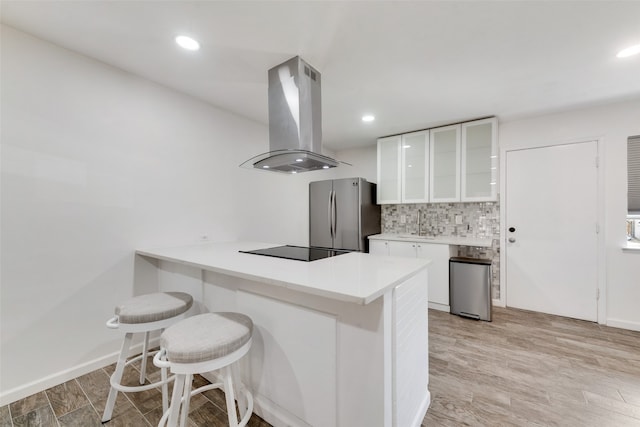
(438, 273)
(439, 255)
(378, 247)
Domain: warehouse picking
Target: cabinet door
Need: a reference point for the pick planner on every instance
(389, 170)
(378, 247)
(479, 161)
(403, 249)
(415, 167)
(445, 164)
(438, 272)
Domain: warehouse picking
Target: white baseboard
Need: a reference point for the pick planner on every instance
(498, 303)
(623, 324)
(265, 408)
(274, 414)
(17, 393)
(440, 307)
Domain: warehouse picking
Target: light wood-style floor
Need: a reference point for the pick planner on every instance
(531, 369)
(522, 369)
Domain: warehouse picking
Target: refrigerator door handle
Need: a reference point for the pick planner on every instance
(330, 213)
(334, 220)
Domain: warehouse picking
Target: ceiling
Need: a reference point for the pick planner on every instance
(414, 65)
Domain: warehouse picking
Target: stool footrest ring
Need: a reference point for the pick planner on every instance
(133, 389)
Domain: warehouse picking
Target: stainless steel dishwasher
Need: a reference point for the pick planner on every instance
(470, 287)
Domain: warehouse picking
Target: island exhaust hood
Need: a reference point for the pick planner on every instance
(295, 121)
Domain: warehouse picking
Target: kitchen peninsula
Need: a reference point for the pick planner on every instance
(341, 341)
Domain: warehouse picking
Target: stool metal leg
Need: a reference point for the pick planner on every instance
(186, 396)
(165, 386)
(176, 396)
(117, 377)
(165, 390)
(145, 349)
(241, 397)
(229, 395)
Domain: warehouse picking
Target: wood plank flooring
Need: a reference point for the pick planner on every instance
(80, 403)
(522, 369)
(531, 369)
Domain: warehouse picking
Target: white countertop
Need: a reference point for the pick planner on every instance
(443, 240)
(354, 277)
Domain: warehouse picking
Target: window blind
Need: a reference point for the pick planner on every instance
(633, 175)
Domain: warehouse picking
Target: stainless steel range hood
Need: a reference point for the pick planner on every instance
(295, 121)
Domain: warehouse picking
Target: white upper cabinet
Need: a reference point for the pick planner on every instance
(479, 161)
(389, 169)
(415, 167)
(456, 163)
(445, 164)
(403, 168)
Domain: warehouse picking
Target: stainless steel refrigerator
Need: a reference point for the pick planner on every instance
(342, 213)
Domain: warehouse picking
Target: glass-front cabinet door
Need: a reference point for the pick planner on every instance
(445, 164)
(479, 161)
(415, 167)
(389, 170)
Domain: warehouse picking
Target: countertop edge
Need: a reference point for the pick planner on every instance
(381, 292)
(310, 290)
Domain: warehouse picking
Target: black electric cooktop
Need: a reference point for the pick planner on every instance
(299, 253)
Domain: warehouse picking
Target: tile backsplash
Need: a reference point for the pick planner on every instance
(451, 219)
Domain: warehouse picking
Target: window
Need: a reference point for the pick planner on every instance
(633, 189)
(633, 230)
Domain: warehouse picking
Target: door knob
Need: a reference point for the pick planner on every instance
(512, 239)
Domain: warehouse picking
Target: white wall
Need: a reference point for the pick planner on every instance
(363, 163)
(612, 125)
(285, 219)
(95, 163)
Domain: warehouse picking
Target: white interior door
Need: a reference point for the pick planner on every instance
(551, 230)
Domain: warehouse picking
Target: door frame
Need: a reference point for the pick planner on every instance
(601, 249)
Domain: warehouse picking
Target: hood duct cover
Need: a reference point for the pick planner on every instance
(295, 121)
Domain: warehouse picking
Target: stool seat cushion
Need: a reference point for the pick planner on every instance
(206, 337)
(153, 307)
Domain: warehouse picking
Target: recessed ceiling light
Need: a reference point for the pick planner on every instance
(187, 43)
(325, 167)
(265, 167)
(630, 51)
(299, 160)
(368, 118)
